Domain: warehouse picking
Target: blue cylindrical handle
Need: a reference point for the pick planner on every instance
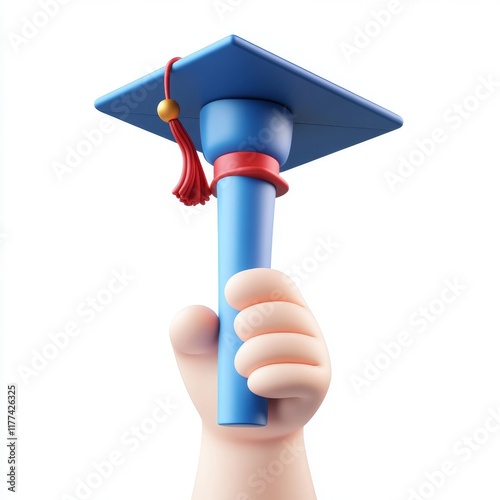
(245, 224)
(245, 218)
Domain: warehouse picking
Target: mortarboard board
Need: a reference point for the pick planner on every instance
(253, 115)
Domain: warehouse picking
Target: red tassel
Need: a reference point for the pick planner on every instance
(192, 188)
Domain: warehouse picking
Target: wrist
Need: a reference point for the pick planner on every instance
(238, 469)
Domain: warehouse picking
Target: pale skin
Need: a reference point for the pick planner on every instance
(285, 358)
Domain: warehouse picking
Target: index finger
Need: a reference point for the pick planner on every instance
(256, 286)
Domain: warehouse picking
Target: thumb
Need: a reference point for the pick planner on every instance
(194, 331)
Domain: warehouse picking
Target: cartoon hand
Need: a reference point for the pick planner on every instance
(284, 357)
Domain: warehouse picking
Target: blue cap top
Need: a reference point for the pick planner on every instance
(326, 117)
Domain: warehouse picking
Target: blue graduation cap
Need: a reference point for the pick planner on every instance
(253, 115)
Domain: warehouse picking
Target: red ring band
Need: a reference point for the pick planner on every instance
(249, 164)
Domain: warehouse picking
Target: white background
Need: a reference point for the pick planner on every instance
(61, 240)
